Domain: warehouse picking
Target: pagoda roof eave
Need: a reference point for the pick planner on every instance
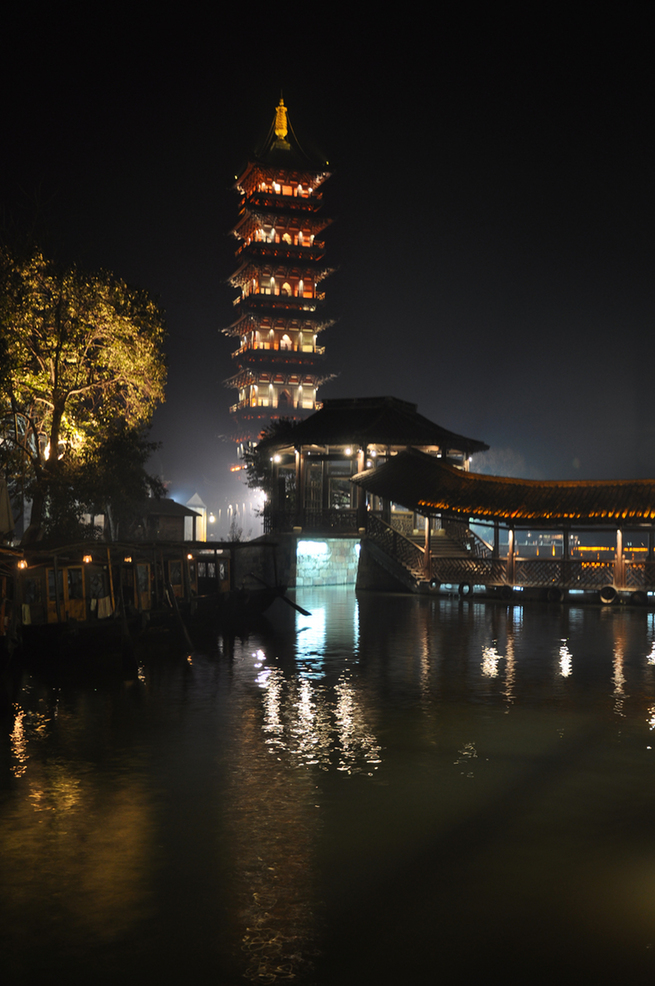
(296, 170)
(379, 421)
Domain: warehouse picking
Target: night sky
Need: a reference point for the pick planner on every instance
(492, 195)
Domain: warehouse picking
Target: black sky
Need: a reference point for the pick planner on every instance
(492, 195)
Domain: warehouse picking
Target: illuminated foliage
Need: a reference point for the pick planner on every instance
(80, 351)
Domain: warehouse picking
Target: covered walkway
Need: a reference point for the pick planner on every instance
(555, 538)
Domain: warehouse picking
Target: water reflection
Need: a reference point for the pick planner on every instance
(316, 724)
(565, 660)
(354, 797)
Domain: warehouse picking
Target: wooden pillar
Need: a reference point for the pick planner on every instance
(510, 556)
(361, 492)
(618, 559)
(565, 557)
(300, 488)
(56, 577)
(427, 559)
(496, 547)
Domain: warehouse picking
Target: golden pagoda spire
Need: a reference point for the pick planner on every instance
(281, 128)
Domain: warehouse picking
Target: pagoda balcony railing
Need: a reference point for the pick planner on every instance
(273, 351)
(246, 409)
(263, 248)
(261, 299)
(280, 202)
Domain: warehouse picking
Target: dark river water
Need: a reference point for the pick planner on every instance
(393, 790)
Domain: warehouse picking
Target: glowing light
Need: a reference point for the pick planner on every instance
(565, 660)
(312, 548)
(87, 559)
(127, 559)
(22, 563)
(490, 659)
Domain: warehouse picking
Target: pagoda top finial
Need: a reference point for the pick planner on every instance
(281, 128)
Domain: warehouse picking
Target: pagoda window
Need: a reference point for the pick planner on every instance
(276, 188)
(287, 190)
(301, 288)
(300, 238)
(286, 288)
(293, 380)
(285, 342)
(287, 238)
(284, 399)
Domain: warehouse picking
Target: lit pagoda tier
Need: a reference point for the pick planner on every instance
(280, 271)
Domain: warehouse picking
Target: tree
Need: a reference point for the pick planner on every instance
(81, 351)
(113, 481)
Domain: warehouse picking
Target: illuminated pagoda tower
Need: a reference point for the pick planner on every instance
(280, 269)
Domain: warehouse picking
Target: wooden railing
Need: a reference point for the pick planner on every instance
(476, 571)
(395, 544)
(542, 573)
(316, 521)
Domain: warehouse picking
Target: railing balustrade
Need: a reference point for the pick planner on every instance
(395, 544)
(476, 571)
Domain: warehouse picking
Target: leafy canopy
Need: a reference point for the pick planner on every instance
(80, 352)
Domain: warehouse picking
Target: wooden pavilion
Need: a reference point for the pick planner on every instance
(310, 465)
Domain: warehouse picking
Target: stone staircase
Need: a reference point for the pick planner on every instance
(442, 545)
(402, 556)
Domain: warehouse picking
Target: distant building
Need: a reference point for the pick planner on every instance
(167, 520)
(278, 359)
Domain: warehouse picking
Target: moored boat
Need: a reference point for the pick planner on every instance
(80, 600)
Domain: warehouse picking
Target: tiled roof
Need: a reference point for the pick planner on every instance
(373, 421)
(428, 485)
(168, 508)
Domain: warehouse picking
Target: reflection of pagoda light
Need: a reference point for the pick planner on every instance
(565, 660)
(490, 659)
